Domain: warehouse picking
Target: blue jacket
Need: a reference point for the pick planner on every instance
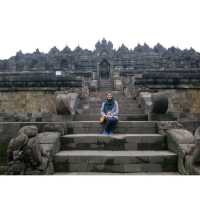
(114, 111)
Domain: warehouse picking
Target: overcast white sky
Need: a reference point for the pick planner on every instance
(31, 24)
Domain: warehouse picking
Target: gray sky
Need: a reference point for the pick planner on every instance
(31, 24)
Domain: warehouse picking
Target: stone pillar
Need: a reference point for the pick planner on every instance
(94, 75)
(98, 71)
(145, 99)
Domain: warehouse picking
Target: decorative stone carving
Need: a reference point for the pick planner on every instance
(93, 85)
(153, 103)
(52, 127)
(67, 103)
(26, 155)
(181, 142)
(193, 158)
(163, 126)
(145, 101)
(159, 103)
(85, 92)
(118, 84)
(128, 87)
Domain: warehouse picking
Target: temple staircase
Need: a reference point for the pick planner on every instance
(135, 147)
(106, 85)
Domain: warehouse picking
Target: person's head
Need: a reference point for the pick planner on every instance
(109, 96)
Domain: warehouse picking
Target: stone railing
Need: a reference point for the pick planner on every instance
(47, 133)
(184, 144)
(31, 152)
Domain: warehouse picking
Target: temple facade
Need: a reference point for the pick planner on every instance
(103, 60)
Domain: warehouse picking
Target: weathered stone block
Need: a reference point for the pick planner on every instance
(93, 85)
(50, 141)
(159, 104)
(67, 103)
(118, 85)
(175, 137)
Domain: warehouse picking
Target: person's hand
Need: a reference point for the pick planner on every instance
(109, 114)
(104, 115)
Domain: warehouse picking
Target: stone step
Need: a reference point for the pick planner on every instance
(122, 112)
(106, 89)
(121, 109)
(104, 173)
(105, 83)
(90, 111)
(133, 127)
(115, 161)
(106, 86)
(114, 142)
(105, 80)
(121, 98)
(97, 101)
(122, 106)
(120, 103)
(122, 117)
(102, 95)
(99, 93)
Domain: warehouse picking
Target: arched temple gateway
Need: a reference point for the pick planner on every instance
(50, 103)
(104, 70)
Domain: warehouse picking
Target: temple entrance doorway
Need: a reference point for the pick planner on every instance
(104, 70)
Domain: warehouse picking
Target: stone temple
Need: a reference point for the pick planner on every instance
(50, 110)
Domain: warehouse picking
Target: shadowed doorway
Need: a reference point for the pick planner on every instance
(104, 70)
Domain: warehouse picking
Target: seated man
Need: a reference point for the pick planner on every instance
(109, 114)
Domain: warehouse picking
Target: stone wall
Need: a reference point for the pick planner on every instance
(28, 101)
(31, 101)
(183, 104)
(183, 100)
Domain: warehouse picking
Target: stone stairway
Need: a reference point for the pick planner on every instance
(105, 85)
(128, 108)
(135, 146)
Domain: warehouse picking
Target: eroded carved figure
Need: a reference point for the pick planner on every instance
(187, 147)
(26, 155)
(193, 158)
(67, 103)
